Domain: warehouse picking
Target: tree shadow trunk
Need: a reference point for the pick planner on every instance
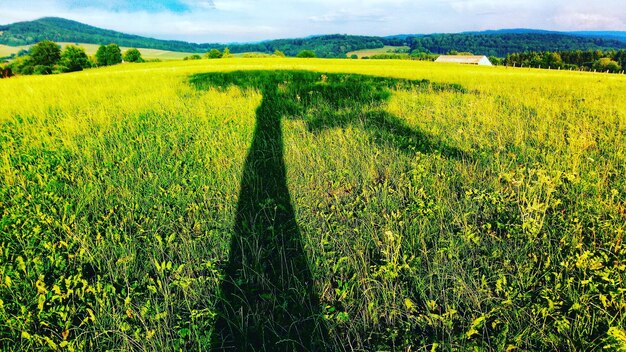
(268, 301)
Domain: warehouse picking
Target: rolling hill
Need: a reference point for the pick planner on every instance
(63, 30)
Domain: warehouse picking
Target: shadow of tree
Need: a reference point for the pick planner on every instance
(268, 298)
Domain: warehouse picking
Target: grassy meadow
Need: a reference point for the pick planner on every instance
(311, 204)
(6, 50)
(387, 49)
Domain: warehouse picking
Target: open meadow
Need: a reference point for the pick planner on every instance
(387, 49)
(312, 204)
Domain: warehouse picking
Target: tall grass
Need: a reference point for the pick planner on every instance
(490, 215)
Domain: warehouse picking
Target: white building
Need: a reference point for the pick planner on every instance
(465, 59)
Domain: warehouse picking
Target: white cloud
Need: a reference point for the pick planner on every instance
(344, 16)
(589, 21)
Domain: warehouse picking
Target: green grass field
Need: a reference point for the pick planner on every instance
(378, 51)
(310, 204)
(91, 49)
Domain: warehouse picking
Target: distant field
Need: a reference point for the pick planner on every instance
(369, 52)
(91, 49)
(313, 204)
(6, 50)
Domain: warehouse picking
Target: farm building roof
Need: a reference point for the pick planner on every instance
(465, 59)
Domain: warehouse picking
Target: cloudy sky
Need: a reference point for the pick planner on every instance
(253, 20)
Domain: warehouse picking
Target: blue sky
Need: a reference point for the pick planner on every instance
(254, 20)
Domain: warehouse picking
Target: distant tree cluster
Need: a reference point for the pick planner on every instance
(306, 54)
(612, 61)
(388, 56)
(108, 55)
(213, 54)
(133, 55)
(192, 57)
(420, 56)
(46, 57)
(216, 54)
(502, 44)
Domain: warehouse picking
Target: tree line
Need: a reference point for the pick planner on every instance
(502, 44)
(217, 54)
(611, 61)
(325, 46)
(46, 57)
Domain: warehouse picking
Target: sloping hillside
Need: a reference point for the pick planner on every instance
(62, 30)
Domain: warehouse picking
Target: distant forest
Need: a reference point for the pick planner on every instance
(496, 44)
(502, 44)
(612, 61)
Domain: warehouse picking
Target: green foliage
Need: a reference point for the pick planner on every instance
(612, 61)
(114, 54)
(22, 65)
(133, 55)
(454, 52)
(278, 53)
(101, 55)
(496, 60)
(256, 55)
(45, 58)
(44, 55)
(226, 54)
(423, 56)
(606, 64)
(389, 56)
(193, 57)
(74, 59)
(213, 54)
(108, 55)
(354, 56)
(306, 54)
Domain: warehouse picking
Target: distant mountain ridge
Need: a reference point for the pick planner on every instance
(493, 42)
(621, 36)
